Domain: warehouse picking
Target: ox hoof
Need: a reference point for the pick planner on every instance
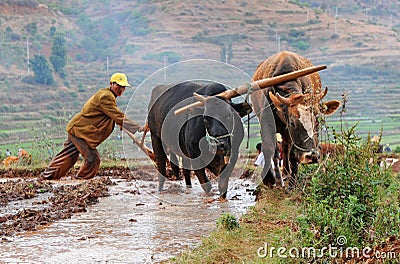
(223, 196)
(189, 186)
(206, 187)
(222, 199)
(161, 181)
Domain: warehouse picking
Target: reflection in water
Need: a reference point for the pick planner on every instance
(130, 226)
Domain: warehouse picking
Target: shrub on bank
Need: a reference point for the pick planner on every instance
(350, 197)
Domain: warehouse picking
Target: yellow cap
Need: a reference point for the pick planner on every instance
(120, 78)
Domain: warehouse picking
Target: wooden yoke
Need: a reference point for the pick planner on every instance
(258, 85)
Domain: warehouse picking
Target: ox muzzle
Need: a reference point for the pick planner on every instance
(310, 157)
(219, 145)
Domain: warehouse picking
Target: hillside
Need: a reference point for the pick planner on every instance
(358, 40)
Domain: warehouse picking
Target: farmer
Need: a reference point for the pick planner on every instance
(88, 129)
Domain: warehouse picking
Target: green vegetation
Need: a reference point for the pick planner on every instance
(31, 28)
(139, 23)
(255, 21)
(170, 56)
(227, 222)
(221, 40)
(297, 39)
(350, 196)
(42, 70)
(58, 57)
(224, 41)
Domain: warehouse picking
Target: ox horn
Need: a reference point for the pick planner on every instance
(200, 98)
(282, 100)
(322, 94)
(258, 85)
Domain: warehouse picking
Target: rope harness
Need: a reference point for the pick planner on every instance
(215, 139)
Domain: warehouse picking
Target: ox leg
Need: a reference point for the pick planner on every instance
(269, 178)
(161, 159)
(228, 169)
(186, 172)
(268, 147)
(175, 166)
(268, 172)
(294, 162)
(204, 181)
(224, 177)
(276, 161)
(285, 159)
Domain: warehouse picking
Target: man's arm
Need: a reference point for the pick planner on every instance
(109, 107)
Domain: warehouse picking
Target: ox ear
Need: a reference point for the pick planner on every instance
(278, 104)
(242, 109)
(330, 107)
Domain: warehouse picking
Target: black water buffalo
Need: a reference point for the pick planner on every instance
(296, 108)
(202, 137)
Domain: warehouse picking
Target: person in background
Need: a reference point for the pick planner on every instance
(88, 129)
(387, 148)
(260, 161)
(24, 157)
(8, 153)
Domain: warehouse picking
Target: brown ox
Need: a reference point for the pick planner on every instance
(10, 160)
(330, 149)
(296, 106)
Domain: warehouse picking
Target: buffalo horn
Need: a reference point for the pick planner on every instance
(258, 85)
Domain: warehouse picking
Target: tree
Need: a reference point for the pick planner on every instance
(42, 70)
(58, 57)
(31, 28)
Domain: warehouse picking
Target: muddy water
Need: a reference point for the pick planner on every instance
(132, 225)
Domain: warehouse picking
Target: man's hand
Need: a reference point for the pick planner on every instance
(144, 128)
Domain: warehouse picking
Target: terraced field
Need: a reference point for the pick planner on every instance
(362, 59)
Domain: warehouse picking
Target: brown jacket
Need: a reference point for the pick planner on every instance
(96, 121)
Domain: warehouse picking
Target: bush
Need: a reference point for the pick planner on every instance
(397, 149)
(171, 56)
(42, 69)
(351, 196)
(254, 21)
(227, 221)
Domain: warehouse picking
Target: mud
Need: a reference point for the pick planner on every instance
(61, 204)
(117, 217)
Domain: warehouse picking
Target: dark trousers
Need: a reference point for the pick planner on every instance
(68, 156)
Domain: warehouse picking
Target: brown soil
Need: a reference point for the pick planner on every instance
(65, 197)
